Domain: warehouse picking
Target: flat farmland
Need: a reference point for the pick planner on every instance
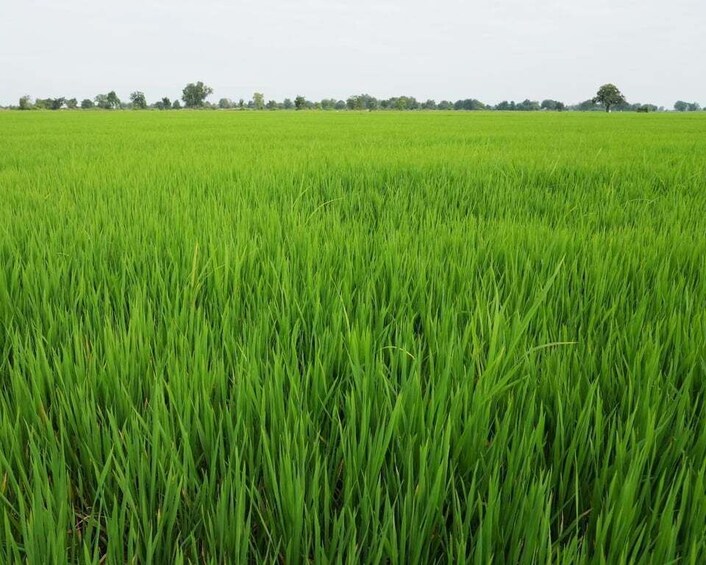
(352, 337)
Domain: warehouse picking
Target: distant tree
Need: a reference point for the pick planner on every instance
(469, 104)
(72, 103)
(403, 103)
(258, 101)
(429, 105)
(26, 102)
(176, 105)
(608, 96)
(527, 105)
(505, 106)
(643, 109)
(552, 105)
(445, 105)
(681, 106)
(300, 102)
(113, 100)
(288, 104)
(271, 105)
(587, 106)
(226, 104)
(625, 107)
(370, 102)
(56, 103)
(139, 102)
(108, 101)
(362, 102)
(102, 101)
(194, 94)
(340, 105)
(87, 104)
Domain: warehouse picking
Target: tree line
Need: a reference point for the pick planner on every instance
(195, 95)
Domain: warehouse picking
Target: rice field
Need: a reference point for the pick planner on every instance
(291, 337)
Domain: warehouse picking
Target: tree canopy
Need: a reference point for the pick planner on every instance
(609, 95)
(681, 106)
(194, 94)
(139, 102)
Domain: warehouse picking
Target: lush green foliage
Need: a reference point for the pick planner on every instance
(194, 95)
(609, 95)
(352, 337)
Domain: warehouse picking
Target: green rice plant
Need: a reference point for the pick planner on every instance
(343, 337)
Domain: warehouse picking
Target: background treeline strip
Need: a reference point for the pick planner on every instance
(195, 95)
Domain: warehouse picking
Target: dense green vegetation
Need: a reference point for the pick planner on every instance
(195, 95)
(354, 337)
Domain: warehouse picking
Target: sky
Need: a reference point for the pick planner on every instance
(493, 50)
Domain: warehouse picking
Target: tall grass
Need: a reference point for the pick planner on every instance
(405, 338)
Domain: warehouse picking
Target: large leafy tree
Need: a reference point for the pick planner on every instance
(681, 106)
(113, 100)
(258, 100)
(195, 94)
(102, 101)
(609, 95)
(163, 104)
(550, 104)
(139, 102)
(108, 101)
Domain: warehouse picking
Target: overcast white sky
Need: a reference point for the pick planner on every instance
(654, 50)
